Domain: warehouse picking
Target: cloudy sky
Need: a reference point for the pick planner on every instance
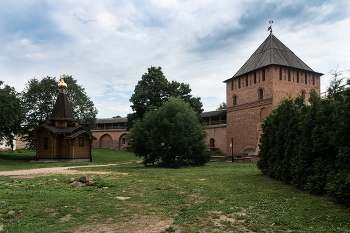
(107, 45)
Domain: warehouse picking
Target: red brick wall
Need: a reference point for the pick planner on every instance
(218, 133)
(111, 139)
(244, 119)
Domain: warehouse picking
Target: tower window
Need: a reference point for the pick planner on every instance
(263, 74)
(246, 80)
(280, 73)
(313, 79)
(234, 100)
(261, 94)
(298, 76)
(254, 77)
(288, 74)
(263, 114)
(305, 78)
(212, 142)
(239, 82)
(232, 85)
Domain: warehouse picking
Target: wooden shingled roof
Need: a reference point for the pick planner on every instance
(272, 52)
(62, 110)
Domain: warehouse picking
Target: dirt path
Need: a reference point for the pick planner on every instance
(51, 170)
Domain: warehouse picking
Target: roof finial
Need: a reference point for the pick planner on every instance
(62, 85)
(270, 28)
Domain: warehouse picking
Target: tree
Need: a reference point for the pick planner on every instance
(336, 88)
(154, 89)
(222, 106)
(11, 114)
(171, 136)
(39, 97)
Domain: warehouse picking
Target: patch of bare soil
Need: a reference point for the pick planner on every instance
(138, 224)
(66, 218)
(30, 173)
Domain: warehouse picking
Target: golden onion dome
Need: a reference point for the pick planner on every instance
(62, 84)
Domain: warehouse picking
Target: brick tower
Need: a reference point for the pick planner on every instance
(269, 75)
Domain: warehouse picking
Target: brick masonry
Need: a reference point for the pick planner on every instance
(250, 98)
(216, 139)
(112, 139)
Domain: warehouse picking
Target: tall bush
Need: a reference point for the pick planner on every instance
(309, 145)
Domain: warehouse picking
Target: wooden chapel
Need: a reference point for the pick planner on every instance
(61, 137)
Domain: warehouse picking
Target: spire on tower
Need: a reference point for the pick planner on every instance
(270, 28)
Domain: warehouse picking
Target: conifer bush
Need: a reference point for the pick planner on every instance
(308, 145)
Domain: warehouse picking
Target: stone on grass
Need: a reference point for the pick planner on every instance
(77, 184)
(11, 212)
(90, 183)
(85, 179)
(123, 198)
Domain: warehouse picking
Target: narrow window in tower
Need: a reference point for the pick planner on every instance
(239, 82)
(303, 95)
(305, 78)
(297, 76)
(234, 100)
(246, 80)
(212, 142)
(261, 94)
(313, 79)
(263, 74)
(288, 74)
(263, 114)
(280, 73)
(232, 85)
(254, 77)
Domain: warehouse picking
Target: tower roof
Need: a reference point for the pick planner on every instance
(272, 52)
(62, 110)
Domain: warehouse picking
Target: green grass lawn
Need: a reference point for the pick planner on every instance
(19, 159)
(217, 197)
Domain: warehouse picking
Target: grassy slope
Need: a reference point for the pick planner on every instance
(218, 197)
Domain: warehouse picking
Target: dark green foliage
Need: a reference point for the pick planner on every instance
(39, 98)
(154, 89)
(171, 136)
(11, 114)
(309, 145)
(222, 106)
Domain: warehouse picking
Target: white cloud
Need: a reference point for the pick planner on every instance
(108, 45)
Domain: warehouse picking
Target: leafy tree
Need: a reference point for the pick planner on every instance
(117, 116)
(39, 97)
(171, 136)
(154, 89)
(222, 106)
(11, 114)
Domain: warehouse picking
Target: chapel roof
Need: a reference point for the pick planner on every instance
(69, 132)
(272, 52)
(62, 110)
